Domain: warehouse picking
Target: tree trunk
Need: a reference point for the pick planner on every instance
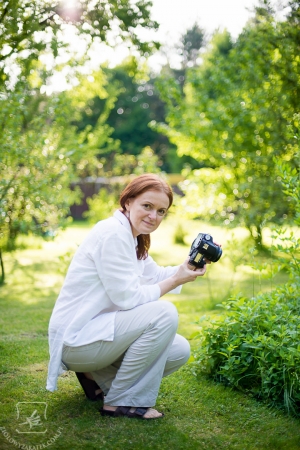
(258, 241)
(2, 277)
(256, 234)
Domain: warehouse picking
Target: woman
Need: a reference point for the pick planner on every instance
(107, 324)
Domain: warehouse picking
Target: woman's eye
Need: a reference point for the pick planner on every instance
(147, 206)
(161, 212)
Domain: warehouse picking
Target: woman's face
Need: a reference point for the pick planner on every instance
(147, 211)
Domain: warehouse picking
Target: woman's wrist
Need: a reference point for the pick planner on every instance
(168, 285)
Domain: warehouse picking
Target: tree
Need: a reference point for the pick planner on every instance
(41, 151)
(41, 155)
(191, 42)
(189, 46)
(28, 28)
(34, 166)
(233, 117)
(135, 105)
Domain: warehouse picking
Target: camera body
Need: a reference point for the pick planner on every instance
(204, 247)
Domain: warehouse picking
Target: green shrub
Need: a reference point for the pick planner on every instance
(256, 347)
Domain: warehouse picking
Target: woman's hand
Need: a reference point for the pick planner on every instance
(183, 275)
(187, 273)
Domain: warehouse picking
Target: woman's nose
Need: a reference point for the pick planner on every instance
(153, 214)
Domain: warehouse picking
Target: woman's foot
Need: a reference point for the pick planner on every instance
(149, 414)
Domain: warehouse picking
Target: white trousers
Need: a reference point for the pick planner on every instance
(145, 348)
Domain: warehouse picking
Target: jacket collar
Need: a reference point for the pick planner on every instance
(124, 221)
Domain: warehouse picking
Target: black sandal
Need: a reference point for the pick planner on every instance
(125, 411)
(89, 387)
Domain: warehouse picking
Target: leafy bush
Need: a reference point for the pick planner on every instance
(255, 347)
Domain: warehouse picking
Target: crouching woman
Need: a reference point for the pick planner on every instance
(108, 324)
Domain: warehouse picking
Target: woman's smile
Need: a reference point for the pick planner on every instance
(148, 223)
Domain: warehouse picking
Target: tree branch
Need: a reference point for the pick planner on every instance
(46, 20)
(8, 186)
(5, 11)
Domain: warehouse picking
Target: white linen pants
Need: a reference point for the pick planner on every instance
(145, 348)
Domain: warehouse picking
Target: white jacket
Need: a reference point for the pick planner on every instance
(104, 277)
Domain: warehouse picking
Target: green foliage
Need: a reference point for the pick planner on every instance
(101, 206)
(255, 347)
(29, 28)
(288, 245)
(232, 117)
(42, 154)
(98, 148)
(146, 161)
(36, 159)
(179, 235)
(64, 262)
(204, 194)
(41, 151)
(132, 104)
(137, 104)
(132, 108)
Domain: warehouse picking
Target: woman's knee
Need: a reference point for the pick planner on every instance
(169, 313)
(178, 355)
(185, 349)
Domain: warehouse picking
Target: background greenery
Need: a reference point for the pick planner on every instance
(223, 119)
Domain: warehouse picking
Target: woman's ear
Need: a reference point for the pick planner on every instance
(127, 205)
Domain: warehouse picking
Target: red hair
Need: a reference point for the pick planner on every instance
(139, 185)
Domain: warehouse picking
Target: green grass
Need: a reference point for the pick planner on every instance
(199, 414)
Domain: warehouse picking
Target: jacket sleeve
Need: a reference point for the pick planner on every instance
(116, 263)
(153, 273)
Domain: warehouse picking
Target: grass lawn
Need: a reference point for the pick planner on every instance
(199, 414)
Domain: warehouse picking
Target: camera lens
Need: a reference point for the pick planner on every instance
(213, 253)
(218, 254)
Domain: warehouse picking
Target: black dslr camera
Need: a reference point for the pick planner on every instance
(203, 247)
